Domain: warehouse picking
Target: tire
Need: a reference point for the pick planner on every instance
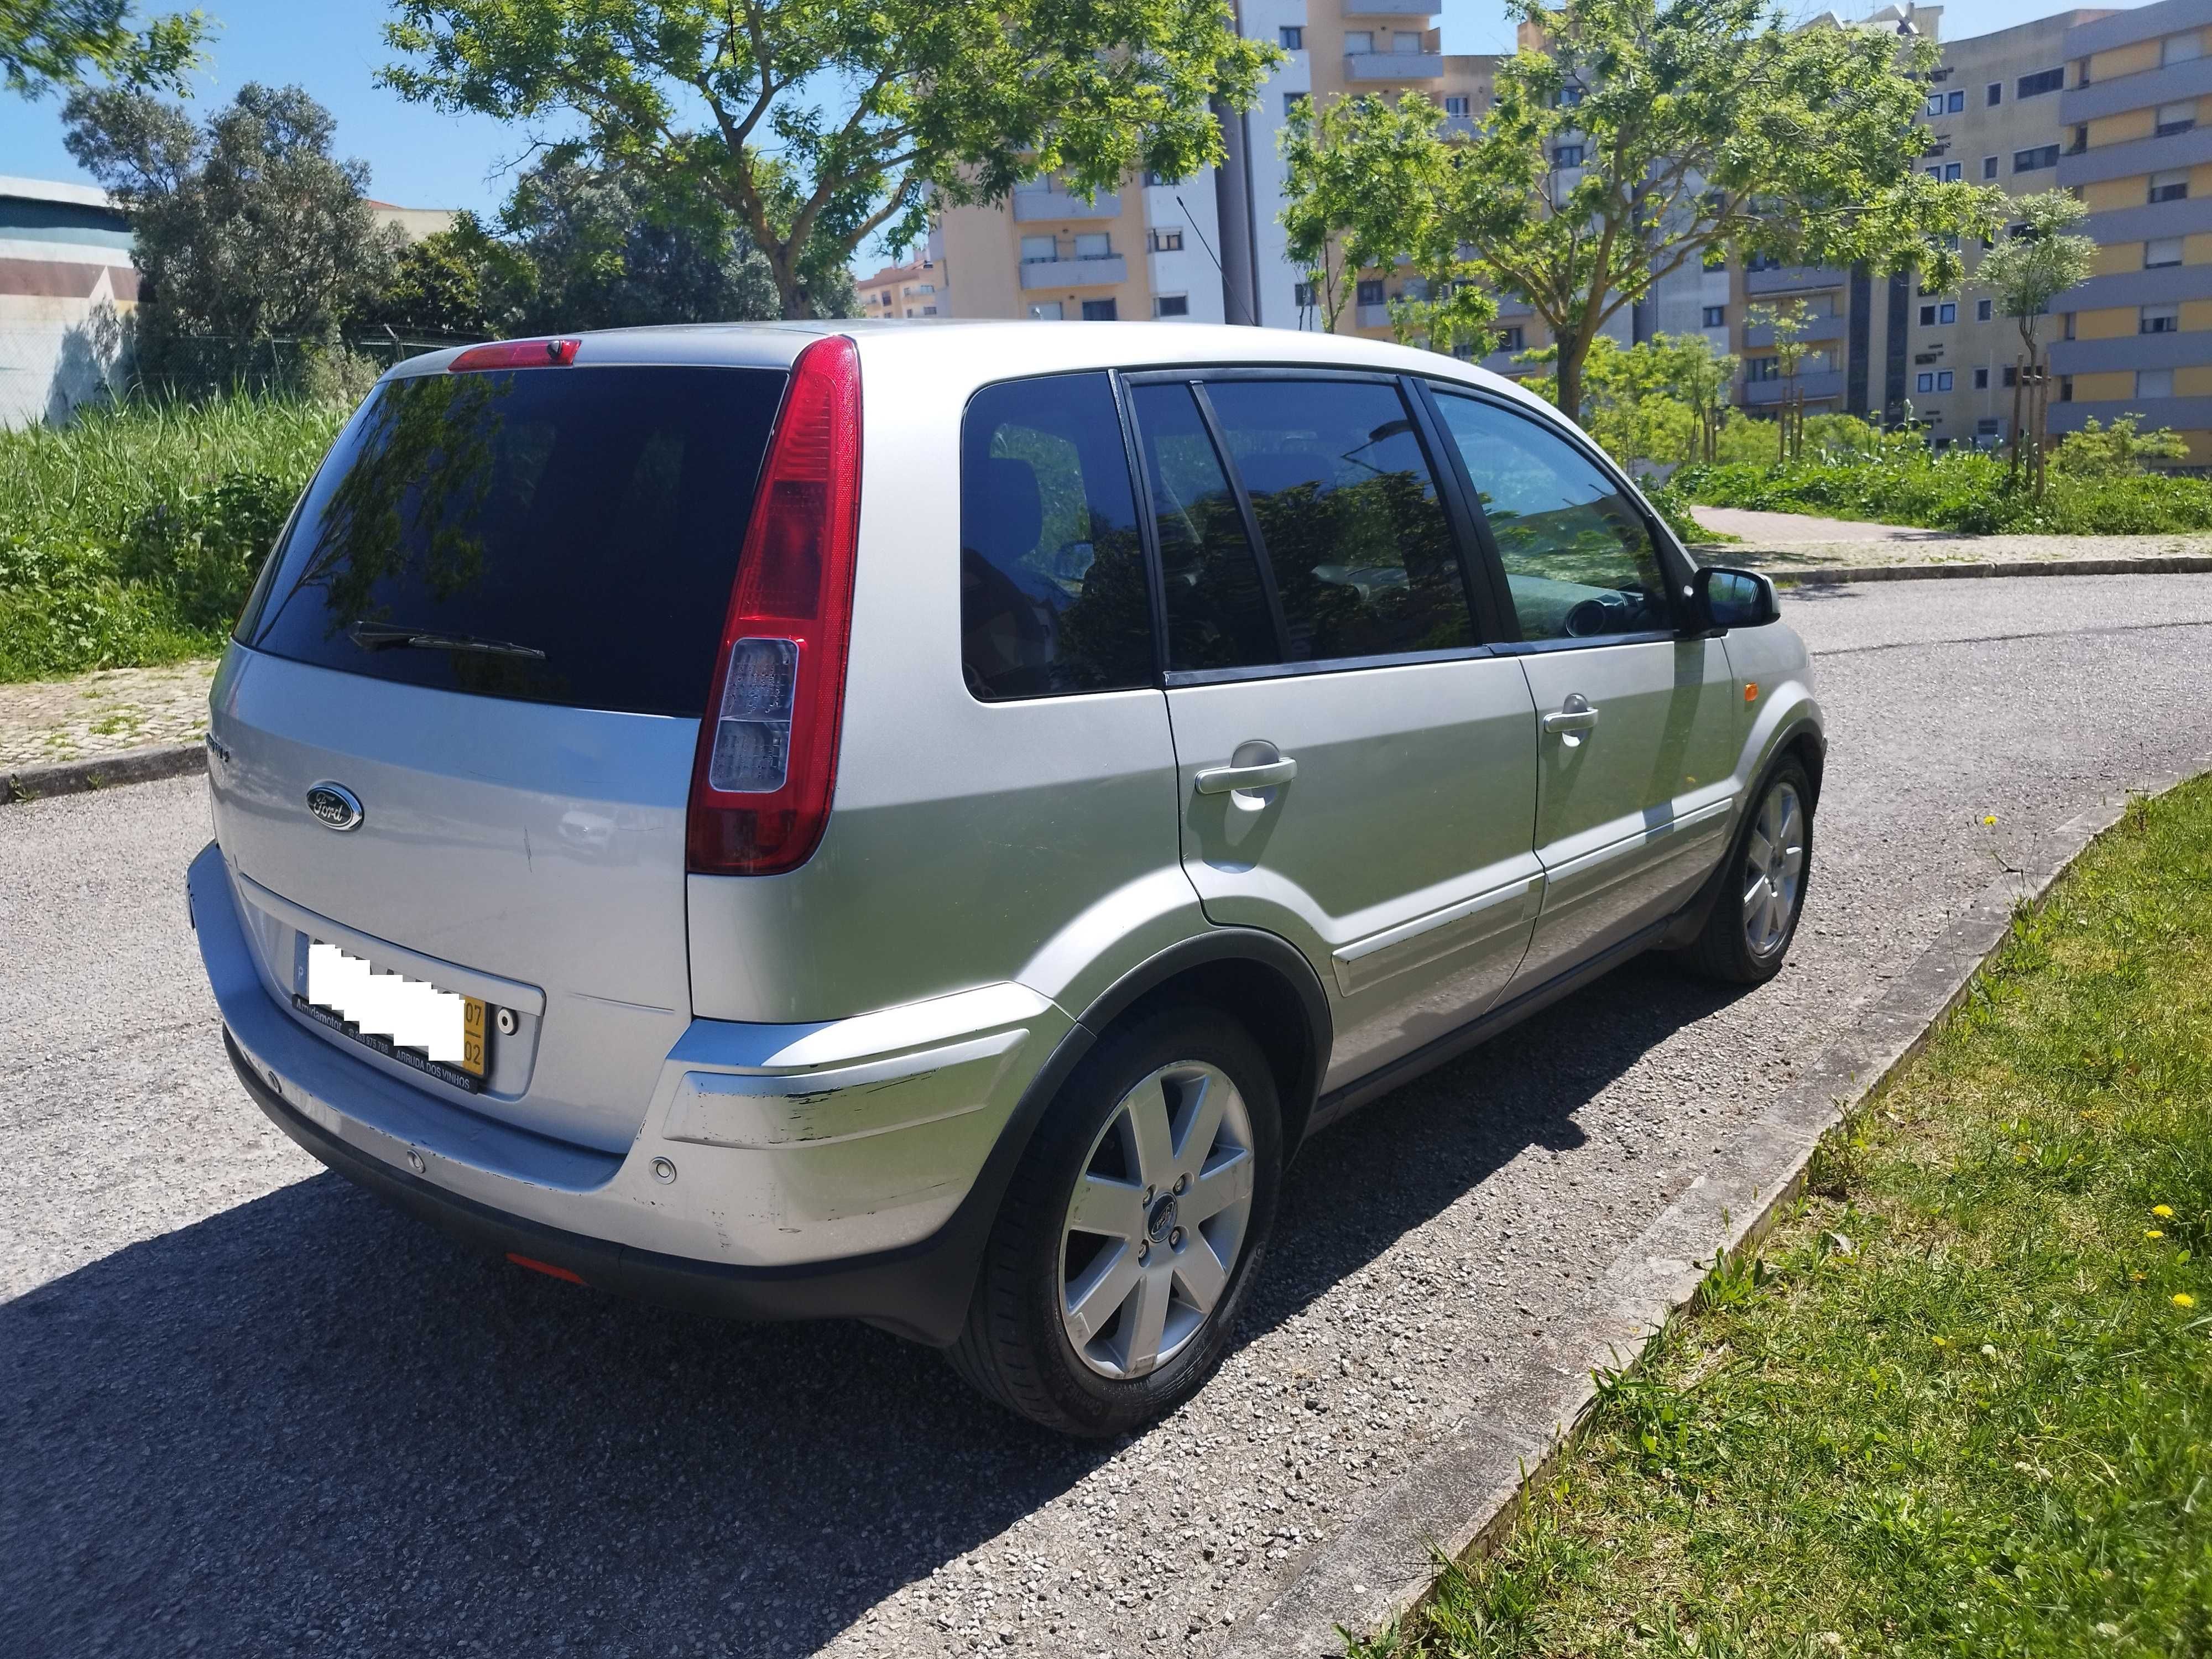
(1756, 917)
(1047, 1280)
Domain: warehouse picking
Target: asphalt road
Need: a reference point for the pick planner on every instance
(244, 1409)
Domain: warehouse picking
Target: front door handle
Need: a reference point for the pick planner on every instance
(1221, 780)
(1575, 715)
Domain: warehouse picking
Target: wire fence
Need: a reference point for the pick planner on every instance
(196, 366)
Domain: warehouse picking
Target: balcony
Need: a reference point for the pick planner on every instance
(2173, 83)
(1374, 316)
(1033, 205)
(1393, 66)
(2138, 155)
(1814, 328)
(1387, 9)
(1104, 271)
(1794, 279)
(1818, 386)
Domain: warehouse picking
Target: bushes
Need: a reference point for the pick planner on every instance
(131, 536)
(1968, 491)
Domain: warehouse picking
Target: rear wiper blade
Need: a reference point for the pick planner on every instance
(383, 636)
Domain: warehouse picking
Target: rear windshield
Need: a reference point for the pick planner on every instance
(556, 535)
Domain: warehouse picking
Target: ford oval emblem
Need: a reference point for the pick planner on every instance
(335, 806)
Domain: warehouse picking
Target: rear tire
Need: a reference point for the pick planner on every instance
(1762, 896)
(1121, 1255)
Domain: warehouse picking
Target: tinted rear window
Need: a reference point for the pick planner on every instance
(592, 515)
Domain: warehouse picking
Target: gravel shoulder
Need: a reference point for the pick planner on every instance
(42, 721)
(243, 1405)
(1781, 542)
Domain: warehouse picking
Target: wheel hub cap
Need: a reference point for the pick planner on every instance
(1157, 1221)
(1774, 870)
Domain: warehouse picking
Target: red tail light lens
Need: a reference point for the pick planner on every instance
(767, 762)
(516, 353)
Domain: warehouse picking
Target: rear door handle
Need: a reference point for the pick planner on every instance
(1575, 715)
(1221, 780)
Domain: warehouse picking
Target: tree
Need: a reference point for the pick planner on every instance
(830, 122)
(1658, 400)
(246, 230)
(1649, 134)
(48, 43)
(1788, 323)
(441, 285)
(2033, 266)
(1360, 202)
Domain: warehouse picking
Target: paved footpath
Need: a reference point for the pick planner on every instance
(1784, 541)
(245, 1409)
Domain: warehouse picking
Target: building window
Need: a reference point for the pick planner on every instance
(929, 311)
(1045, 311)
(1989, 167)
(1293, 36)
(1924, 383)
(1099, 311)
(1168, 242)
(1404, 40)
(2154, 383)
(1567, 156)
(2068, 328)
(2180, 48)
(2161, 251)
(925, 288)
(2066, 388)
(2159, 319)
(1370, 293)
(1943, 380)
(1293, 102)
(1513, 339)
(1988, 426)
(1094, 245)
(1956, 102)
(1953, 172)
(1948, 312)
(1982, 308)
(2034, 160)
(2012, 376)
(1457, 103)
(1981, 380)
(2079, 142)
(1715, 317)
(1036, 251)
(1935, 104)
(1756, 369)
(2172, 186)
(1171, 304)
(2176, 118)
(1303, 295)
(1935, 174)
(1994, 95)
(2034, 86)
(1359, 42)
(1569, 96)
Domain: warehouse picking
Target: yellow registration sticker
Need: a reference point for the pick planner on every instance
(472, 1036)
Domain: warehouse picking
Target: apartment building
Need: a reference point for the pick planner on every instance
(918, 289)
(2135, 117)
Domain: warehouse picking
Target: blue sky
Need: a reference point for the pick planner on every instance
(420, 158)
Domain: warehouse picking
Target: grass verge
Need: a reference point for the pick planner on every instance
(1961, 1401)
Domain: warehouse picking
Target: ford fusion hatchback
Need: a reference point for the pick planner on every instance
(923, 823)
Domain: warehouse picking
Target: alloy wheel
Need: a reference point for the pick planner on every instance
(1774, 870)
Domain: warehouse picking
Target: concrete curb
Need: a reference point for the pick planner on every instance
(1464, 1495)
(104, 771)
(2162, 564)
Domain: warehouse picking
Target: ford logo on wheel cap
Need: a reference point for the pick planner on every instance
(336, 807)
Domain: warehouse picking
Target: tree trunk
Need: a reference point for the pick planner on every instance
(1572, 353)
(2019, 382)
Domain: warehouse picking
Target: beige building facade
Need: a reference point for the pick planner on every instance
(917, 289)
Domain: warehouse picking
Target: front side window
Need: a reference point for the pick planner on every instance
(1579, 560)
(1363, 558)
(1052, 574)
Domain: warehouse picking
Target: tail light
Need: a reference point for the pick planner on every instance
(766, 761)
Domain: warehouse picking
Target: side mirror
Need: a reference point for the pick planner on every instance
(1723, 598)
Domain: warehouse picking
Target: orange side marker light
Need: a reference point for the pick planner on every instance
(1751, 690)
(545, 1267)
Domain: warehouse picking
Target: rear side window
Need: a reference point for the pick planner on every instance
(1218, 613)
(1363, 559)
(1053, 595)
(554, 535)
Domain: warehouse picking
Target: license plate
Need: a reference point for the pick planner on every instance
(409, 1020)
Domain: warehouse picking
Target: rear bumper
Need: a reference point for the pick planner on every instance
(851, 1169)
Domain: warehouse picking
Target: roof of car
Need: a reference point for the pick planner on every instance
(980, 351)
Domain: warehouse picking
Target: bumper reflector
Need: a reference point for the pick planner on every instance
(545, 1267)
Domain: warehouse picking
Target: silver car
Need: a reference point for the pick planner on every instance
(922, 823)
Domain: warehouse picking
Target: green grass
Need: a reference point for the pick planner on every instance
(130, 536)
(1960, 1403)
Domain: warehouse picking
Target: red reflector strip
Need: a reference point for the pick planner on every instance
(545, 1267)
(516, 353)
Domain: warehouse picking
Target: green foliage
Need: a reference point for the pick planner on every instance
(1957, 1404)
(1704, 126)
(440, 285)
(2098, 451)
(1964, 490)
(245, 230)
(927, 103)
(49, 43)
(130, 536)
(1652, 401)
(2024, 272)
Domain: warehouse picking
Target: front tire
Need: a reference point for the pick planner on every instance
(1120, 1260)
(1763, 894)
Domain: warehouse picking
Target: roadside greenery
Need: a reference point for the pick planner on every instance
(130, 536)
(1957, 1404)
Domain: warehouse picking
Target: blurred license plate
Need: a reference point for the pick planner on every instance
(409, 1020)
